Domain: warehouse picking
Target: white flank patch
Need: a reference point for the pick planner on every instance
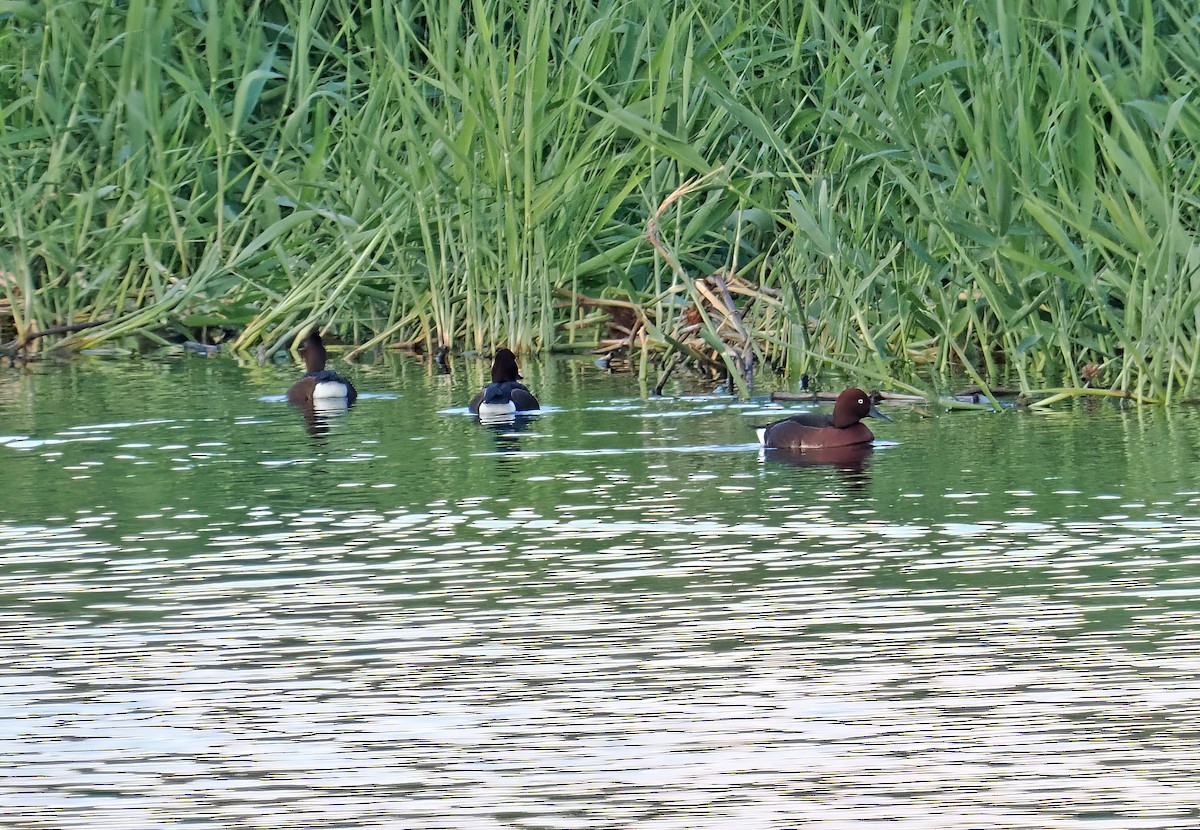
(497, 413)
(491, 410)
(329, 389)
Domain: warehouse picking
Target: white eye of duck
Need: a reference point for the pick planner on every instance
(860, 400)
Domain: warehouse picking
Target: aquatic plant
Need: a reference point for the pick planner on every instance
(882, 186)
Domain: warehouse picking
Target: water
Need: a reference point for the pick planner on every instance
(617, 616)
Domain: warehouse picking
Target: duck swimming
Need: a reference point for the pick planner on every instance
(506, 393)
(321, 388)
(498, 401)
(819, 430)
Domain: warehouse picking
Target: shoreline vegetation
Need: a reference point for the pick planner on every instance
(882, 189)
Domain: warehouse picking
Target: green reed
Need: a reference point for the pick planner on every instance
(921, 183)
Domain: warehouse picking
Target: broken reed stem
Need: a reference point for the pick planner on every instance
(23, 342)
(651, 233)
(1057, 395)
(747, 355)
(983, 387)
(740, 366)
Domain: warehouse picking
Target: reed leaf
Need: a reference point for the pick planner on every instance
(998, 187)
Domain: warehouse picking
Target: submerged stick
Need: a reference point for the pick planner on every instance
(662, 379)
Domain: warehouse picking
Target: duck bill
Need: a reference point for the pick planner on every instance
(875, 413)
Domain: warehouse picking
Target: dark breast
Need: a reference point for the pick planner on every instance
(301, 391)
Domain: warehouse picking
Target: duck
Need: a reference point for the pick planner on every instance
(321, 388)
(505, 374)
(498, 403)
(819, 430)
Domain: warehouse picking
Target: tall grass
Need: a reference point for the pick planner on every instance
(921, 182)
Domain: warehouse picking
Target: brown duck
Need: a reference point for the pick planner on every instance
(819, 430)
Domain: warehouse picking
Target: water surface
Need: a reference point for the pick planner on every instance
(619, 614)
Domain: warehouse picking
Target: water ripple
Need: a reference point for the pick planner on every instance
(625, 619)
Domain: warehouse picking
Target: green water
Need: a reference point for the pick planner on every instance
(615, 615)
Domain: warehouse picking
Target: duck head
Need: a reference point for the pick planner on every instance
(314, 352)
(852, 406)
(504, 367)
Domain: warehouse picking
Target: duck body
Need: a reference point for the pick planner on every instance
(320, 387)
(794, 433)
(505, 389)
(518, 395)
(329, 384)
(498, 400)
(818, 430)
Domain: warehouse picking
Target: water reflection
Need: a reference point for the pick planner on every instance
(627, 620)
(320, 414)
(850, 462)
(851, 458)
(507, 429)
